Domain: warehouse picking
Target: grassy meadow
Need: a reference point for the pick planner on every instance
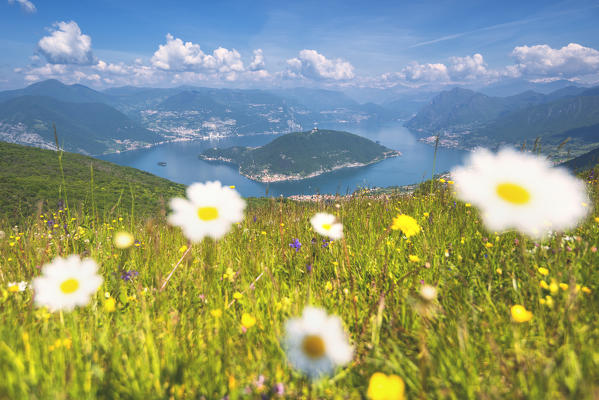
(134, 341)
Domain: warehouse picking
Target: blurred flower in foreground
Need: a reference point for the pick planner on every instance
(17, 286)
(66, 283)
(123, 240)
(521, 191)
(385, 387)
(316, 343)
(210, 211)
(325, 224)
(406, 224)
(520, 314)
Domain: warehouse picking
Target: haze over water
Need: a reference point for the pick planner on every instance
(184, 165)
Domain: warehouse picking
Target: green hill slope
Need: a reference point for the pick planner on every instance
(87, 128)
(302, 155)
(30, 177)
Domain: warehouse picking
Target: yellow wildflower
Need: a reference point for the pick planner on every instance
(216, 313)
(414, 258)
(110, 305)
(488, 245)
(563, 286)
(520, 314)
(586, 290)
(386, 387)
(543, 271)
(406, 224)
(247, 321)
(237, 296)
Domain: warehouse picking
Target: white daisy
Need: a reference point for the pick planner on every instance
(326, 225)
(210, 211)
(17, 286)
(123, 240)
(316, 343)
(521, 191)
(66, 283)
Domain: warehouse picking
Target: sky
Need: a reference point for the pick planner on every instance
(379, 45)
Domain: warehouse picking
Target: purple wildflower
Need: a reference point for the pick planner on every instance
(128, 275)
(279, 389)
(325, 243)
(308, 268)
(296, 245)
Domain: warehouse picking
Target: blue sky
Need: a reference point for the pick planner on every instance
(376, 44)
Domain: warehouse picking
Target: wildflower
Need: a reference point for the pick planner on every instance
(210, 211)
(110, 305)
(237, 296)
(563, 286)
(183, 249)
(217, 313)
(521, 191)
(279, 389)
(263, 233)
(549, 301)
(123, 240)
(488, 245)
(17, 286)
(586, 290)
(128, 275)
(544, 285)
(406, 224)
(325, 243)
(428, 293)
(385, 387)
(308, 268)
(296, 245)
(229, 274)
(520, 314)
(543, 271)
(553, 287)
(66, 283)
(325, 224)
(315, 343)
(414, 258)
(247, 321)
(328, 286)
(499, 271)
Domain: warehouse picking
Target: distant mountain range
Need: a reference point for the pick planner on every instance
(464, 118)
(93, 122)
(302, 155)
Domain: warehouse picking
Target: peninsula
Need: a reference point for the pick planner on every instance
(302, 155)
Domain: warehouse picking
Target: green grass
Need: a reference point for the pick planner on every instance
(168, 345)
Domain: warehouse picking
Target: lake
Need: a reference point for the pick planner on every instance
(184, 166)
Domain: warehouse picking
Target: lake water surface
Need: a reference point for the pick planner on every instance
(184, 165)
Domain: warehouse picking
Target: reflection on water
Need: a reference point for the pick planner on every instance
(184, 166)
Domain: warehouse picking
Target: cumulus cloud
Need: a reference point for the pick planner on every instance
(571, 61)
(458, 70)
(176, 55)
(26, 5)
(258, 62)
(313, 65)
(67, 45)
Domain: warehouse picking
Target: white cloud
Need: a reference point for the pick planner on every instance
(26, 5)
(468, 68)
(313, 65)
(569, 62)
(67, 45)
(258, 62)
(178, 56)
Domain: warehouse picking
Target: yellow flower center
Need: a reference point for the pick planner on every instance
(313, 346)
(69, 286)
(513, 193)
(208, 213)
(326, 227)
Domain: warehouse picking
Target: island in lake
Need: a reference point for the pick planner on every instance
(302, 155)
